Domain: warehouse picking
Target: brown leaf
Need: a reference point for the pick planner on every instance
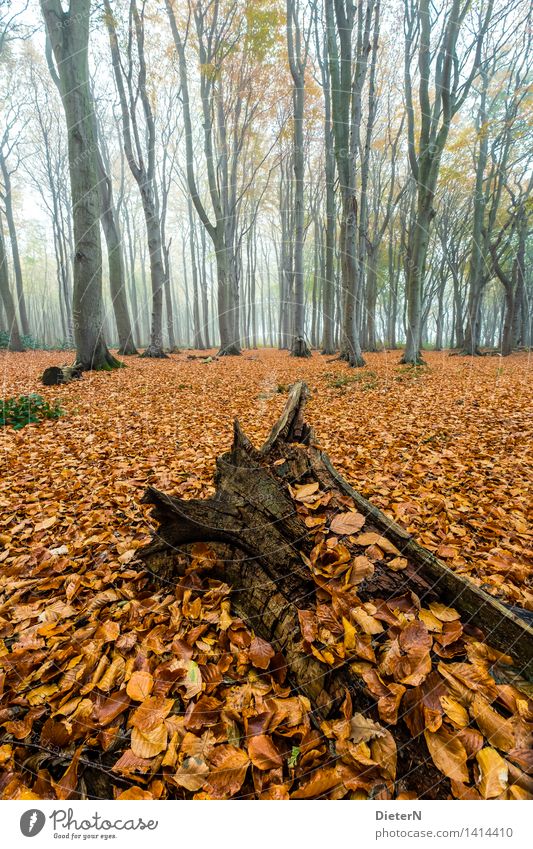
(260, 653)
(229, 771)
(397, 564)
(347, 523)
(140, 686)
(192, 774)
(494, 773)
(362, 729)
(136, 794)
(305, 492)
(498, 731)
(320, 783)
(147, 744)
(308, 625)
(448, 754)
(263, 754)
(443, 613)
(151, 713)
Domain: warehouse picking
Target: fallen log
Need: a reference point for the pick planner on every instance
(333, 601)
(55, 375)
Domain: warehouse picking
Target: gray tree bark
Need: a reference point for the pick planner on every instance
(68, 34)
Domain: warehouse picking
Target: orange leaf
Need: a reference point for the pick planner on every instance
(140, 686)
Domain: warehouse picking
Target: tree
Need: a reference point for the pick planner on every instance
(328, 282)
(298, 42)
(68, 33)
(140, 157)
(213, 37)
(115, 256)
(14, 340)
(7, 170)
(348, 64)
(442, 70)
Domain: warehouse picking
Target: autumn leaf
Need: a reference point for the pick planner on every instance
(192, 774)
(448, 754)
(151, 713)
(363, 729)
(497, 730)
(263, 754)
(136, 794)
(260, 653)
(319, 784)
(308, 625)
(148, 743)
(493, 771)
(140, 686)
(347, 523)
(305, 492)
(228, 771)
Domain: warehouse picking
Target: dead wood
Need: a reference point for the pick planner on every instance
(264, 548)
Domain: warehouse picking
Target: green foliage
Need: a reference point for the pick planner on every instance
(366, 380)
(27, 409)
(32, 344)
(409, 373)
(293, 758)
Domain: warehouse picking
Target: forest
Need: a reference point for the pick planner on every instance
(236, 235)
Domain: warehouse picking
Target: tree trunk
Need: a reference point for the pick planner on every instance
(297, 63)
(115, 258)
(271, 556)
(15, 343)
(17, 269)
(225, 291)
(415, 278)
(371, 297)
(70, 44)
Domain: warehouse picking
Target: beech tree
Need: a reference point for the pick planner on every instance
(68, 33)
(139, 147)
(349, 27)
(447, 69)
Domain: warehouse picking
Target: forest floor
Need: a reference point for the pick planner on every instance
(444, 449)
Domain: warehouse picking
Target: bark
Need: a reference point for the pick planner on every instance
(68, 33)
(328, 282)
(17, 269)
(15, 343)
(141, 161)
(115, 257)
(297, 53)
(263, 545)
(346, 110)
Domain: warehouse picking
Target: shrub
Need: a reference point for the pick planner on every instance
(27, 409)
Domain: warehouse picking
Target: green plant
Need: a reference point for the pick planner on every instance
(32, 344)
(27, 409)
(366, 378)
(293, 758)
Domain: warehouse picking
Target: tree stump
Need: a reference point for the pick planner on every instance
(55, 375)
(307, 556)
